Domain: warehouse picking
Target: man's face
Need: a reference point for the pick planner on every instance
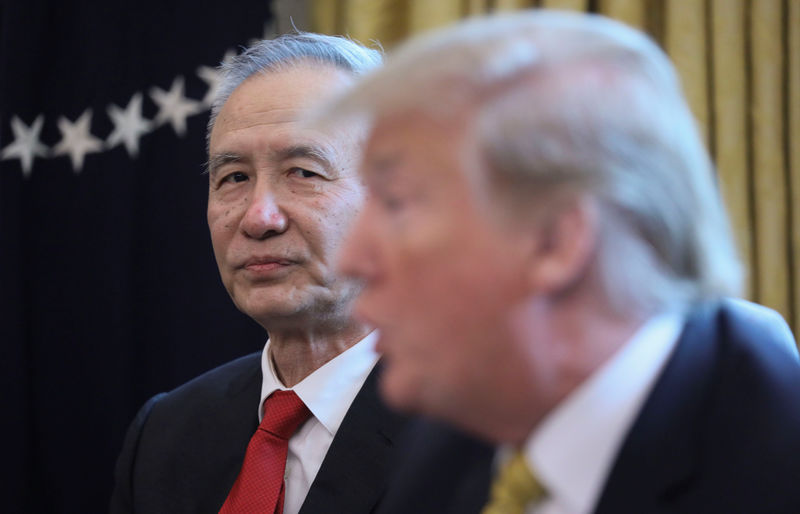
(443, 265)
(281, 197)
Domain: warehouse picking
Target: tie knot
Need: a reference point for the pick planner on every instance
(284, 412)
(514, 488)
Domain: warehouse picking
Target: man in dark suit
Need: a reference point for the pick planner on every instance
(298, 427)
(549, 265)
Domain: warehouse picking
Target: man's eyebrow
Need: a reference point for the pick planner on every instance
(312, 152)
(384, 165)
(307, 151)
(218, 160)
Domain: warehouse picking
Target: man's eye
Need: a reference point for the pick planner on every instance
(303, 173)
(237, 176)
(392, 203)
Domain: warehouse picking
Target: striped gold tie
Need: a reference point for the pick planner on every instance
(513, 488)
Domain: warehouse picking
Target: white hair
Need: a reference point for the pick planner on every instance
(577, 103)
(288, 50)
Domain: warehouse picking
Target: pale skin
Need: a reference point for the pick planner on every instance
(281, 196)
(489, 314)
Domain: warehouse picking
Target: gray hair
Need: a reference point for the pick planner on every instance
(583, 105)
(288, 50)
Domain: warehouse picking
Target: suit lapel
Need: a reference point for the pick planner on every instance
(353, 475)
(658, 456)
(233, 432)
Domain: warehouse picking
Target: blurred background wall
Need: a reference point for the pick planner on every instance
(108, 288)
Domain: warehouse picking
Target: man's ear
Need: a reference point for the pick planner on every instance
(565, 243)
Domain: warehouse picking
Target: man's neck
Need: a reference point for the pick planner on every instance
(552, 348)
(297, 354)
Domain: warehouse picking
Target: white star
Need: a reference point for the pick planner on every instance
(26, 143)
(128, 125)
(76, 140)
(213, 78)
(174, 107)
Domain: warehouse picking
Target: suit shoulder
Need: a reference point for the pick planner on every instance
(228, 374)
(187, 445)
(754, 320)
(214, 388)
(758, 341)
(752, 416)
(757, 382)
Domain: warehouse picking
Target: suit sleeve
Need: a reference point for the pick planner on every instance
(122, 496)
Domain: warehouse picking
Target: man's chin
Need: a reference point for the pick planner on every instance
(400, 391)
(269, 312)
(406, 393)
(277, 319)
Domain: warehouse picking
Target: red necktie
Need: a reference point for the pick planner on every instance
(259, 488)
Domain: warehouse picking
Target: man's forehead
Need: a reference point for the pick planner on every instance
(391, 137)
(285, 94)
(423, 150)
(275, 130)
(247, 116)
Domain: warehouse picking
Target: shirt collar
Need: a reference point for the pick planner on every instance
(329, 390)
(574, 446)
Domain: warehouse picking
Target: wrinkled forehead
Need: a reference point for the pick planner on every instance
(284, 95)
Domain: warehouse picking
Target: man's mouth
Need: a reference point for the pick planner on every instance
(265, 263)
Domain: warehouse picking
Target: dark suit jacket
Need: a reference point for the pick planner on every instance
(719, 433)
(185, 448)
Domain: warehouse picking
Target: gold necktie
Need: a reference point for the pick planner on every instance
(513, 488)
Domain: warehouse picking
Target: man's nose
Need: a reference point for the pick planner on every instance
(265, 216)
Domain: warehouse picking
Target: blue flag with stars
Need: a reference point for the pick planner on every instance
(109, 292)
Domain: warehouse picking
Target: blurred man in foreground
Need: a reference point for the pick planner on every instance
(281, 195)
(547, 259)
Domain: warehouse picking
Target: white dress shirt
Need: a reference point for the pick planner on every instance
(573, 448)
(328, 393)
